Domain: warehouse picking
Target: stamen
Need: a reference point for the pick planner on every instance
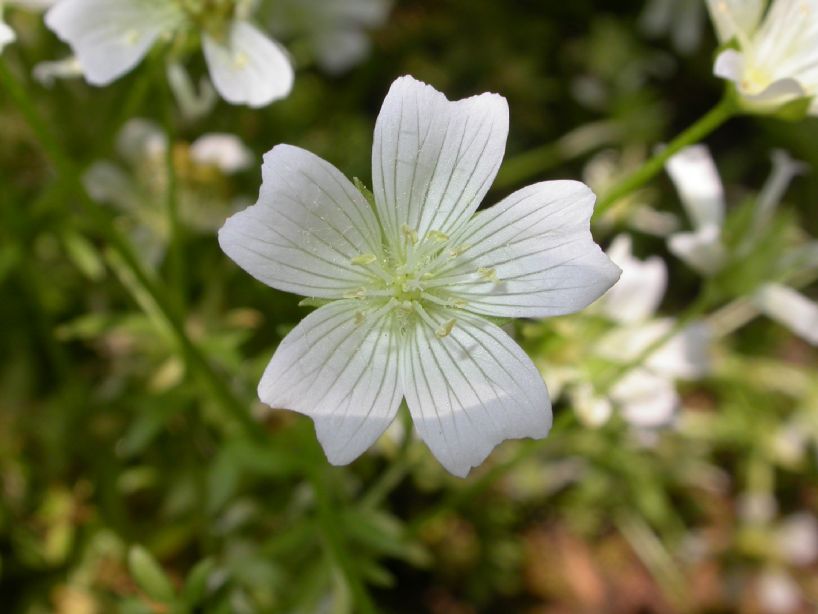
(363, 259)
(487, 273)
(445, 330)
(457, 251)
(360, 316)
(359, 293)
(410, 233)
(436, 235)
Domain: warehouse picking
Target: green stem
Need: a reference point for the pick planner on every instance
(719, 114)
(334, 541)
(176, 260)
(397, 470)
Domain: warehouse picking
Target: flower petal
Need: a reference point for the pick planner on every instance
(647, 400)
(702, 250)
(7, 35)
(307, 226)
(789, 308)
(735, 17)
(248, 67)
(538, 245)
(340, 368)
(224, 151)
(434, 160)
(471, 389)
(640, 289)
(110, 37)
(697, 181)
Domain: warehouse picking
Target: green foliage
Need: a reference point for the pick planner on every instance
(132, 352)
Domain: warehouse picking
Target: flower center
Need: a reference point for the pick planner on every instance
(415, 281)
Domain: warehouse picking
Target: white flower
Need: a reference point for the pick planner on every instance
(110, 37)
(641, 287)
(777, 57)
(697, 181)
(335, 29)
(796, 539)
(789, 308)
(410, 276)
(700, 189)
(7, 35)
(138, 188)
(647, 393)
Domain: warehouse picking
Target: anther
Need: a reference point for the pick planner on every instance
(487, 273)
(363, 259)
(356, 294)
(436, 235)
(359, 318)
(445, 330)
(410, 233)
(457, 251)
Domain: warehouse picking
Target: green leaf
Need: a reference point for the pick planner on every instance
(149, 575)
(196, 584)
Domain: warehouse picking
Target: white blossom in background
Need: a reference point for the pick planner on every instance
(46, 73)
(778, 593)
(796, 539)
(681, 20)
(138, 186)
(336, 30)
(7, 34)
(776, 59)
(790, 309)
(410, 278)
(110, 37)
(646, 394)
(700, 189)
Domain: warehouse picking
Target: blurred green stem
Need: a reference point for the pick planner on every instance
(397, 469)
(719, 114)
(576, 143)
(334, 539)
(176, 260)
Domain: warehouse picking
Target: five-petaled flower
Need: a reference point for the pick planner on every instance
(410, 278)
(110, 37)
(776, 61)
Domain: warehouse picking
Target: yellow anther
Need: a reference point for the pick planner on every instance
(456, 251)
(410, 233)
(436, 235)
(363, 259)
(356, 294)
(359, 317)
(445, 330)
(487, 273)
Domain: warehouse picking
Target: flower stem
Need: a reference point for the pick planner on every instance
(719, 114)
